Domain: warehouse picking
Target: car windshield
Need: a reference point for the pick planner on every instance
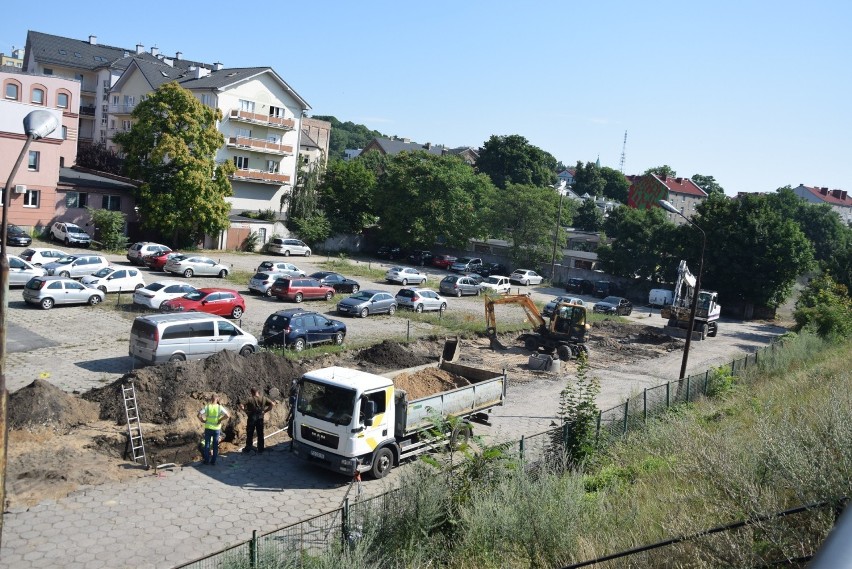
(66, 259)
(155, 286)
(463, 260)
(395, 270)
(450, 279)
(178, 258)
(611, 300)
(363, 295)
(74, 230)
(104, 272)
(492, 280)
(195, 295)
(406, 293)
(326, 402)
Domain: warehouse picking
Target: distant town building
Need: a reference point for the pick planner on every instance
(648, 189)
(839, 200)
(567, 176)
(14, 60)
(393, 146)
(350, 153)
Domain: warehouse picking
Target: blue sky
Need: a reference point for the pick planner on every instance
(756, 94)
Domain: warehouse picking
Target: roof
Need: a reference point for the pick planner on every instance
(47, 48)
(395, 146)
(155, 72)
(229, 77)
(834, 197)
(677, 185)
(77, 177)
(306, 141)
(348, 377)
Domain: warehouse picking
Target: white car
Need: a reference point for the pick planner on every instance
(70, 233)
(39, 256)
(526, 277)
(289, 247)
(138, 251)
(495, 284)
(189, 265)
(289, 269)
(20, 272)
(262, 281)
(405, 275)
(115, 279)
(154, 294)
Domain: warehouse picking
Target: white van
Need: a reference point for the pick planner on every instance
(660, 297)
(178, 337)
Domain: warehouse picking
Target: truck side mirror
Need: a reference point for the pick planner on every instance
(369, 412)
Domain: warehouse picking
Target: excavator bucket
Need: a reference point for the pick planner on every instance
(451, 350)
(495, 343)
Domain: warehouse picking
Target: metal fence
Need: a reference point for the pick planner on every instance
(321, 533)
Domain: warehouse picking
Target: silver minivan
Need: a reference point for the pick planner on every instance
(179, 337)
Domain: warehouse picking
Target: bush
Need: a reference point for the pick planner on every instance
(109, 228)
(825, 308)
(251, 241)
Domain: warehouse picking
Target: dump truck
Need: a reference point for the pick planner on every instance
(677, 313)
(564, 332)
(350, 421)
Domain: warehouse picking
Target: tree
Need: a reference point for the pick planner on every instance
(708, 184)
(616, 186)
(109, 228)
(588, 217)
(527, 216)
(588, 180)
(313, 229)
(171, 148)
(304, 199)
(422, 197)
(642, 240)
(346, 195)
(512, 159)
(346, 135)
(664, 170)
(97, 157)
(825, 307)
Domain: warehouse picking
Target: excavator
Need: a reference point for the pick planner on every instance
(564, 332)
(678, 312)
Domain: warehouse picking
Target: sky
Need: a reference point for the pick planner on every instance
(756, 94)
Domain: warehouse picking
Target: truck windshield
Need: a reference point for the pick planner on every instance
(326, 402)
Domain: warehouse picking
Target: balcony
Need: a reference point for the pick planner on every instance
(259, 145)
(257, 118)
(87, 110)
(125, 109)
(260, 177)
(89, 87)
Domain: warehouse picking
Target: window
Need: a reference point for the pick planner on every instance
(272, 166)
(76, 199)
(244, 132)
(48, 71)
(12, 91)
(246, 105)
(62, 100)
(38, 96)
(125, 125)
(31, 198)
(32, 165)
(203, 329)
(112, 123)
(241, 162)
(276, 112)
(129, 100)
(207, 99)
(116, 99)
(112, 203)
(64, 132)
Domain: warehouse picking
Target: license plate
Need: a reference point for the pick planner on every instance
(317, 454)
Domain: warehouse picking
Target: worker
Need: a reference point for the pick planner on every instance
(256, 406)
(212, 415)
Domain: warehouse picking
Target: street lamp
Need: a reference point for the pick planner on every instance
(561, 188)
(670, 208)
(37, 124)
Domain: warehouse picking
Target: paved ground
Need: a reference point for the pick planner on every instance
(166, 519)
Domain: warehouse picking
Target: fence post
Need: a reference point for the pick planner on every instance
(688, 377)
(253, 549)
(733, 367)
(597, 427)
(645, 405)
(668, 394)
(408, 331)
(564, 440)
(521, 447)
(706, 380)
(626, 407)
(344, 518)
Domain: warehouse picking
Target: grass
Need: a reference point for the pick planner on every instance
(354, 268)
(239, 278)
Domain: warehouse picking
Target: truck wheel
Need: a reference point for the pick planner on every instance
(530, 345)
(703, 331)
(714, 328)
(564, 352)
(382, 463)
(460, 436)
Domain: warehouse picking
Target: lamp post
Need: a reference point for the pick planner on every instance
(670, 208)
(37, 124)
(561, 189)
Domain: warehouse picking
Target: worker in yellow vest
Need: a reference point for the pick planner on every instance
(212, 415)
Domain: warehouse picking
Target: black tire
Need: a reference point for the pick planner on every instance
(46, 303)
(714, 329)
(236, 312)
(382, 463)
(530, 345)
(188, 273)
(418, 309)
(460, 436)
(565, 353)
(298, 298)
(307, 253)
(67, 243)
(355, 288)
(299, 345)
(629, 312)
(65, 274)
(102, 289)
(177, 358)
(478, 291)
(391, 310)
(364, 312)
(94, 300)
(443, 307)
(703, 329)
(223, 273)
(246, 351)
(268, 293)
(458, 293)
(286, 253)
(329, 295)
(404, 282)
(338, 338)
(138, 286)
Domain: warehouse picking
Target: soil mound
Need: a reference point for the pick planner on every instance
(43, 405)
(164, 391)
(428, 382)
(391, 355)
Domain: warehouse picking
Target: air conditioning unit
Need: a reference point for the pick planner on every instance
(20, 189)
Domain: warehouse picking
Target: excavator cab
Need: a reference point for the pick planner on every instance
(569, 320)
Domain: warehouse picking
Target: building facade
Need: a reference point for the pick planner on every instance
(839, 200)
(647, 190)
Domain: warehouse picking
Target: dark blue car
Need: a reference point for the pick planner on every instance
(297, 329)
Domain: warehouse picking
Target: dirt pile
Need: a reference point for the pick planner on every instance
(391, 355)
(43, 405)
(428, 382)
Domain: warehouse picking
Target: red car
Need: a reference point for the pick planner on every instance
(443, 261)
(158, 261)
(220, 301)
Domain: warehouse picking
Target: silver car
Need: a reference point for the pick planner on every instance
(405, 275)
(20, 272)
(550, 306)
(366, 302)
(262, 281)
(77, 265)
(49, 291)
(189, 265)
(421, 299)
(289, 269)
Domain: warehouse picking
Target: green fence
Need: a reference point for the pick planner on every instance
(318, 534)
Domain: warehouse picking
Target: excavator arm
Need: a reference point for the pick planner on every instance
(533, 315)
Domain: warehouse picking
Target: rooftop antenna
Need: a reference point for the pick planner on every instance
(623, 153)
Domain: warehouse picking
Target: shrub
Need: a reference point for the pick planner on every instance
(251, 241)
(825, 308)
(109, 227)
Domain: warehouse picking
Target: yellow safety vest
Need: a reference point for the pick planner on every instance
(211, 413)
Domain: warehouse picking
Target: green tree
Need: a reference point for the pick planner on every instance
(526, 216)
(616, 187)
(109, 228)
(346, 135)
(171, 148)
(588, 180)
(664, 170)
(512, 159)
(825, 307)
(642, 240)
(422, 197)
(346, 196)
(304, 200)
(313, 229)
(708, 184)
(97, 157)
(588, 217)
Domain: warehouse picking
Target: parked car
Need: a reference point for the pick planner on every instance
(76, 265)
(138, 251)
(16, 236)
(466, 264)
(186, 336)
(288, 247)
(614, 305)
(153, 295)
(420, 299)
(405, 275)
(496, 284)
(476, 278)
(389, 252)
(262, 282)
(607, 288)
(21, 271)
(39, 256)
(157, 261)
(288, 269)
(218, 301)
(548, 309)
(189, 265)
(366, 302)
(298, 329)
(299, 289)
(70, 233)
(115, 279)
(443, 261)
(458, 285)
(488, 269)
(580, 286)
(525, 277)
(336, 281)
(420, 257)
(48, 291)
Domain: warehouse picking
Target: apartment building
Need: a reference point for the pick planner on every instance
(839, 200)
(647, 190)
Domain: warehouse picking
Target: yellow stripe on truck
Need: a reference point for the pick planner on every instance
(372, 443)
